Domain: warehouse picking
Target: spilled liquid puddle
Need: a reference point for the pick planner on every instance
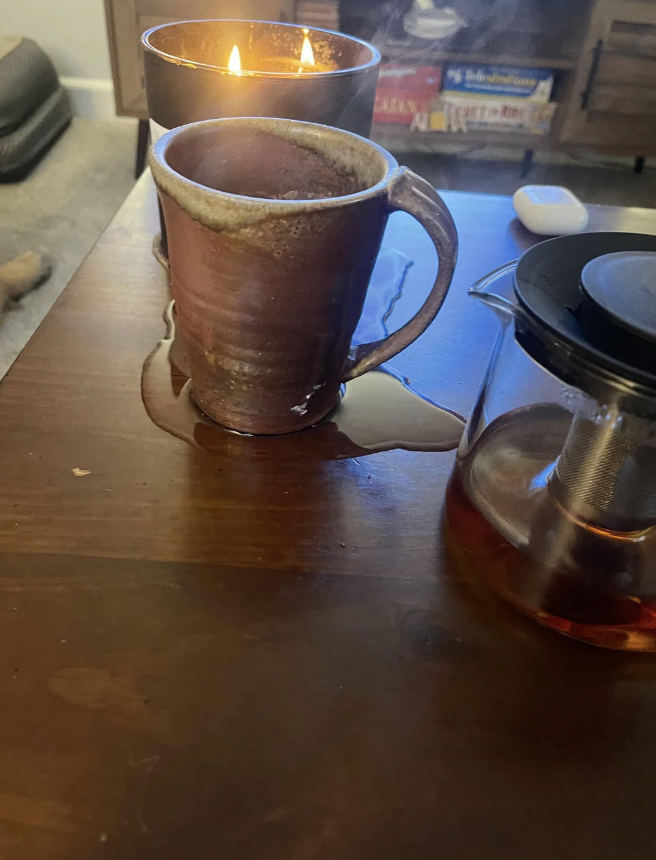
(377, 412)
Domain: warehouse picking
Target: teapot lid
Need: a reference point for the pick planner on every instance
(590, 303)
(622, 288)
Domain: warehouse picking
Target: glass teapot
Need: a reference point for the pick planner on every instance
(553, 497)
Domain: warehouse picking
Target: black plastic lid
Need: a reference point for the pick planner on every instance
(622, 287)
(591, 301)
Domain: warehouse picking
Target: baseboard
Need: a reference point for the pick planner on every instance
(91, 98)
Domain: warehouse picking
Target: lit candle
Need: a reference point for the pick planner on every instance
(306, 64)
(234, 63)
(307, 54)
(197, 70)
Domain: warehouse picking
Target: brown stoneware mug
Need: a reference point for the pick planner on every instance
(274, 227)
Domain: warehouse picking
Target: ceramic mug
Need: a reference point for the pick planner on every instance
(274, 227)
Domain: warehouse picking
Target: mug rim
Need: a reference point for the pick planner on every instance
(171, 58)
(161, 168)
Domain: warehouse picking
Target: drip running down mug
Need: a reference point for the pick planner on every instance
(274, 227)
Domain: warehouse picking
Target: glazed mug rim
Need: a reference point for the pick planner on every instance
(162, 170)
(222, 70)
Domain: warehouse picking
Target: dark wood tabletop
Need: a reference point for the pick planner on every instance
(254, 655)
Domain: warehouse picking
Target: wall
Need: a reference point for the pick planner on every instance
(72, 32)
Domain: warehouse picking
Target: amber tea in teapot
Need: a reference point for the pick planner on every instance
(553, 498)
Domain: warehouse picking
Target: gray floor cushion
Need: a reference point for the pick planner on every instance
(27, 78)
(22, 148)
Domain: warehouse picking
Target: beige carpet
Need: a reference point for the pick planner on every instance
(61, 209)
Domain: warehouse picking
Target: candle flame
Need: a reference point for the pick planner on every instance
(307, 54)
(234, 63)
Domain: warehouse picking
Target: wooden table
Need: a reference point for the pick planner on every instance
(266, 659)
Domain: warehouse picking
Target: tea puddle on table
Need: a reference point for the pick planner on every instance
(377, 412)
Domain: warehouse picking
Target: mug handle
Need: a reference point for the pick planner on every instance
(410, 193)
